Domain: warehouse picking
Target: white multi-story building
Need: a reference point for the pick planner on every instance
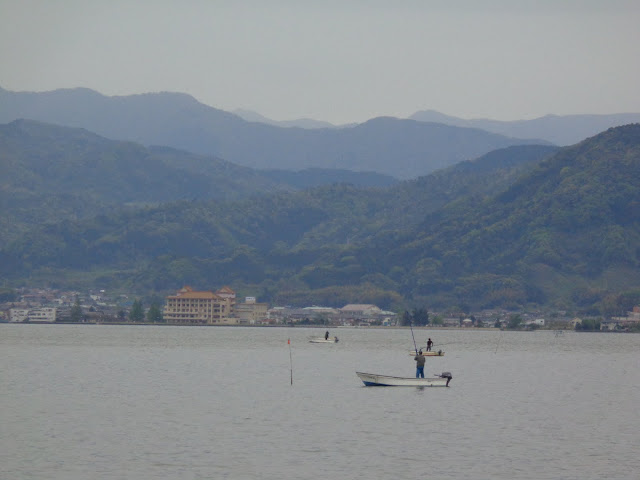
(42, 315)
(18, 315)
(33, 315)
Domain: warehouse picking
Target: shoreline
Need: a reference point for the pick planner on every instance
(355, 327)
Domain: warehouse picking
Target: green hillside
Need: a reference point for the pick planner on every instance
(558, 232)
(519, 226)
(50, 159)
(51, 173)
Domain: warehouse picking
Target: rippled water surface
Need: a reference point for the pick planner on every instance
(125, 402)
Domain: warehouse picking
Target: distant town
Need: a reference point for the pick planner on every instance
(192, 307)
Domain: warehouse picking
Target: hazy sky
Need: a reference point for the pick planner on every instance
(341, 61)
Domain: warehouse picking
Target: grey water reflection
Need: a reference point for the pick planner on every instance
(113, 402)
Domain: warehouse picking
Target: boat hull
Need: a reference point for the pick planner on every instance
(439, 353)
(322, 340)
(374, 380)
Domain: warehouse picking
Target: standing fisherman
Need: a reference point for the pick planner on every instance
(419, 358)
(429, 343)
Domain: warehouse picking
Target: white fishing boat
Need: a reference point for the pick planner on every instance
(375, 380)
(324, 340)
(439, 353)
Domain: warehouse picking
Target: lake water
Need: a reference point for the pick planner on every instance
(142, 402)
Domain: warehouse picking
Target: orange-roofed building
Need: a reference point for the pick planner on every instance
(189, 306)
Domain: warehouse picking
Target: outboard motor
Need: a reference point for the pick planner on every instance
(446, 375)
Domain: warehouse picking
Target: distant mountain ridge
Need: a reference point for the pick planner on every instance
(251, 116)
(400, 148)
(558, 129)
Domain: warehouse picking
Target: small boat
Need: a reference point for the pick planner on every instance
(324, 340)
(439, 353)
(374, 380)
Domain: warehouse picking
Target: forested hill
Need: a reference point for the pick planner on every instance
(51, 173)
(52, 159)
(568, 230)
(520, 226)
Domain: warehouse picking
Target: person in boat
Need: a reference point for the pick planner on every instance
(429, 344)
(335, 339)
(419, 358)
(326, 335)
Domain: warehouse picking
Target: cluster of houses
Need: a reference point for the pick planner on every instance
(622, 323)
(49, 306)
(189, 306)
(186, 307)
(192, 307)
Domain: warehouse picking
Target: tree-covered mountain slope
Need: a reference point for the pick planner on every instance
(569, 226)
(516, 227)
(50, 172)
(52, 159)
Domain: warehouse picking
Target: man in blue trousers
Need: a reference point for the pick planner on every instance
(419, 358)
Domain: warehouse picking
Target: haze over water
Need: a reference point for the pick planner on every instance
(113, 402)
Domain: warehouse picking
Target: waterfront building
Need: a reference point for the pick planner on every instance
(360, 310)
(32, 315)
(18, 315)
(622, 323)
(42, 315)
(189, 306)
(251, 312)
